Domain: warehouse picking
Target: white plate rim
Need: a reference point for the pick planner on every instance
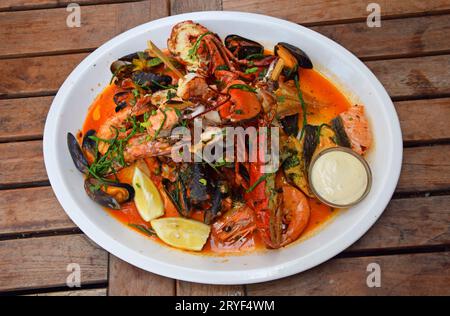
(202, 276)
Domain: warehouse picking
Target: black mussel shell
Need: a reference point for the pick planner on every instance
(89, 145)
(78, 157)
(302, 58)
(341, 136)
(151, 81)
(177, 193)
(310, 143)
(120, 99)
(103, 193)
(242, 47)
(199, 184)
(290, 124)
(129, 58)
(121, 69)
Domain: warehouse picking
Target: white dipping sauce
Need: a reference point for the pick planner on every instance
(339, 177)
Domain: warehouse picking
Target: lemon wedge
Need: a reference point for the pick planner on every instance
(181, 232)
(147, 198)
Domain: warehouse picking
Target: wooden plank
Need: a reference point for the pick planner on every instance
(410, 222)
(185, 6)
(13, 5)
(127, 280)
(27, 167)
(92, 292)
(324, 11)
(423, 120)
(42, 262)
(42, 75)
(411, 36)
(19, 30)
(413, 77)
(31, 210)
(425, 169)
(417, 274)
(197, 289)
(23, 118)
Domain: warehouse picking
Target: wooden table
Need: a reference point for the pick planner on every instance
(410, 54)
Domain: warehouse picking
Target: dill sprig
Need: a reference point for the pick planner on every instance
(104, 165)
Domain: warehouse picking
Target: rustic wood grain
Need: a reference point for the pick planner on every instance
(425, 168)
(413, 77)
(27, 167)
(422, 120)
(99, 23)
(324, 11)
(197, 289)
(12, 5)
(185, 6)
(410, 222)
(411, 36)
(416, 274)
(42, 75)
(127, 280)
(42, 262)
(23, 118)
(92, 292)
(31, 210)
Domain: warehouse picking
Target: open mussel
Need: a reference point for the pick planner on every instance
(148, 80)
(108, 194)
(120, 99)
(242, 47)
(293, 58)
(89, 145)
(78, 157)
(121, 69)
(178, 195)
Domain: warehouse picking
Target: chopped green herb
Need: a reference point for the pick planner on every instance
(138, 185)
(239, 112)
(171, 94)
(251, 70)
(162, 124)
(242, 87)
(257, 182)
(255, 56)
(193, 51)
(262, 74)
(136, 93)
(222, 67)
(203, 181)
(154, 62)
(303, 104)
(143, 229)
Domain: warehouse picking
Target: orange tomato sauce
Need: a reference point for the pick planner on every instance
(311, 81)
